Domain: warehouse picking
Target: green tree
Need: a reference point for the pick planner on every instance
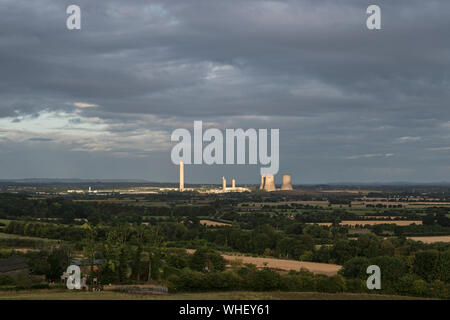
(391, 268)
(58, 261)
(355, 268)
(444, 266)
(206, 260)
(426, 264)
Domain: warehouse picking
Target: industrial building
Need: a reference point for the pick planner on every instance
(181, 176)
(287, 183)
(267, 183)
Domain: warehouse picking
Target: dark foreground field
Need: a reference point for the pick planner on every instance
(240, 295)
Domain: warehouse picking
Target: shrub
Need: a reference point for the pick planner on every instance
(420, 287)
(404, 284)
(222, 281)
(264, 280)
(391, 268)
(426, 264)
(207, 260)
(290, 282)
(187, 280)
(6, 280)
(439, 289)
(444, 266)
(355, 268)
(331, 284)
(356, 285)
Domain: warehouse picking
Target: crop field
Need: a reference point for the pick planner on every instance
(286, 265)
(431, 239)
(210, 223)
(282, 264)
(353, 223)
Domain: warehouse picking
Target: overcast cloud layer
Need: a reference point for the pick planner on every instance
(352, 105)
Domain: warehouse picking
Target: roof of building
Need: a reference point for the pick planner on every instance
(12, 264)
(86, 262)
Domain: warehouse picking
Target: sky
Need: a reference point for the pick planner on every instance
(351, 104)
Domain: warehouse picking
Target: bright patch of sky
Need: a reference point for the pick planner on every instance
(50, 123)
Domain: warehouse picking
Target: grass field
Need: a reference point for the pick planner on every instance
(236, 295)
(4, 221)
(16, 236)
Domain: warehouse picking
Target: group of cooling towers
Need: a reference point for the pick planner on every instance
(267, 181)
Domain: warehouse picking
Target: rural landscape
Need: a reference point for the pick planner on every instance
(215, 159)
(313, 242)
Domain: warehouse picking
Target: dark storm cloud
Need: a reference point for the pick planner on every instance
(339, 92)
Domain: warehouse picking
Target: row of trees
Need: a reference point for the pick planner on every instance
(250, 278)
(411, 230)
(297, 242)
(46, 230)
(426, 273)
(134, 255)
(67, 211)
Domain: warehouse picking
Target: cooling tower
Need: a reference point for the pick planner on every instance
(267, 182)
(224, 184)
(181, 176)
(233, 184)
(287, 184)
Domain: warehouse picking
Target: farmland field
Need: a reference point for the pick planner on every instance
(16, 236)
(210, 223)
(154, 237)
(287, 265)
(431, 239)
(284, 265)
(4, 221)
(353, 223)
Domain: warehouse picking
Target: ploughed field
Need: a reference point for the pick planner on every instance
(282, 264)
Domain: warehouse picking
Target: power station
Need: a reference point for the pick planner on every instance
(287, 183)
(181, 176)
(267, 183)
